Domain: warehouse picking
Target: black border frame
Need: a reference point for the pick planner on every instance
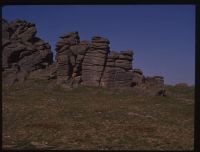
(133, 2)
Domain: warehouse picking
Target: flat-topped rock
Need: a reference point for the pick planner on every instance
(128, 52)
(95, 61)
(98, 39)
(139, 71)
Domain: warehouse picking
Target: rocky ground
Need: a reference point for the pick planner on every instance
(38, 117)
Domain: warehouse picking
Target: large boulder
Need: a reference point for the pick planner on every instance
(69, 58)
(154, 85)
(117, 71)
(94, 61)
(22, 49)
(22, 29)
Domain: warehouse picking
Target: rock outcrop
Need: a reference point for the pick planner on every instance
(92, 63)
(88, 63)
(22, 51)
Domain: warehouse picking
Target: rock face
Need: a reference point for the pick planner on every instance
(65, 57)
(69, 58)
(94, 61)
(118, 69)
(22, 52)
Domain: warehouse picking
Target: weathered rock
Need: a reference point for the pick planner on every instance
(45, 74)
(9, 75)
(64, 56)
(156, 81)
(22, 48)
(5, 30)
(22, 30)
(117, 71)
(94, 62)
(69, 58)
(138, 77)
(155, 85)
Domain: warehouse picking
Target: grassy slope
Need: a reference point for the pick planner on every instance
(95, 118)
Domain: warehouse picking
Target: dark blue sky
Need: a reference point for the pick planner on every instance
(161, 36)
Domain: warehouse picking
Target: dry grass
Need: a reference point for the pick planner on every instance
(95, 118)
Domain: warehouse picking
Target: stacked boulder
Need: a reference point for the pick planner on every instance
(69, 58)
(156, 85)
(108, 78)
(138, 78)
(94, 62)
(91, 64)
(153, 85)
(155, 81)
(80, 50)
(22, 52)
(118, 70)
(64, 57)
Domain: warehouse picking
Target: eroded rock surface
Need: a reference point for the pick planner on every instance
(22, 51)
(94, 62)
(118, 69)
(69, 58)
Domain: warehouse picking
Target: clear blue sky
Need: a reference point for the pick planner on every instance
(161, 36)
